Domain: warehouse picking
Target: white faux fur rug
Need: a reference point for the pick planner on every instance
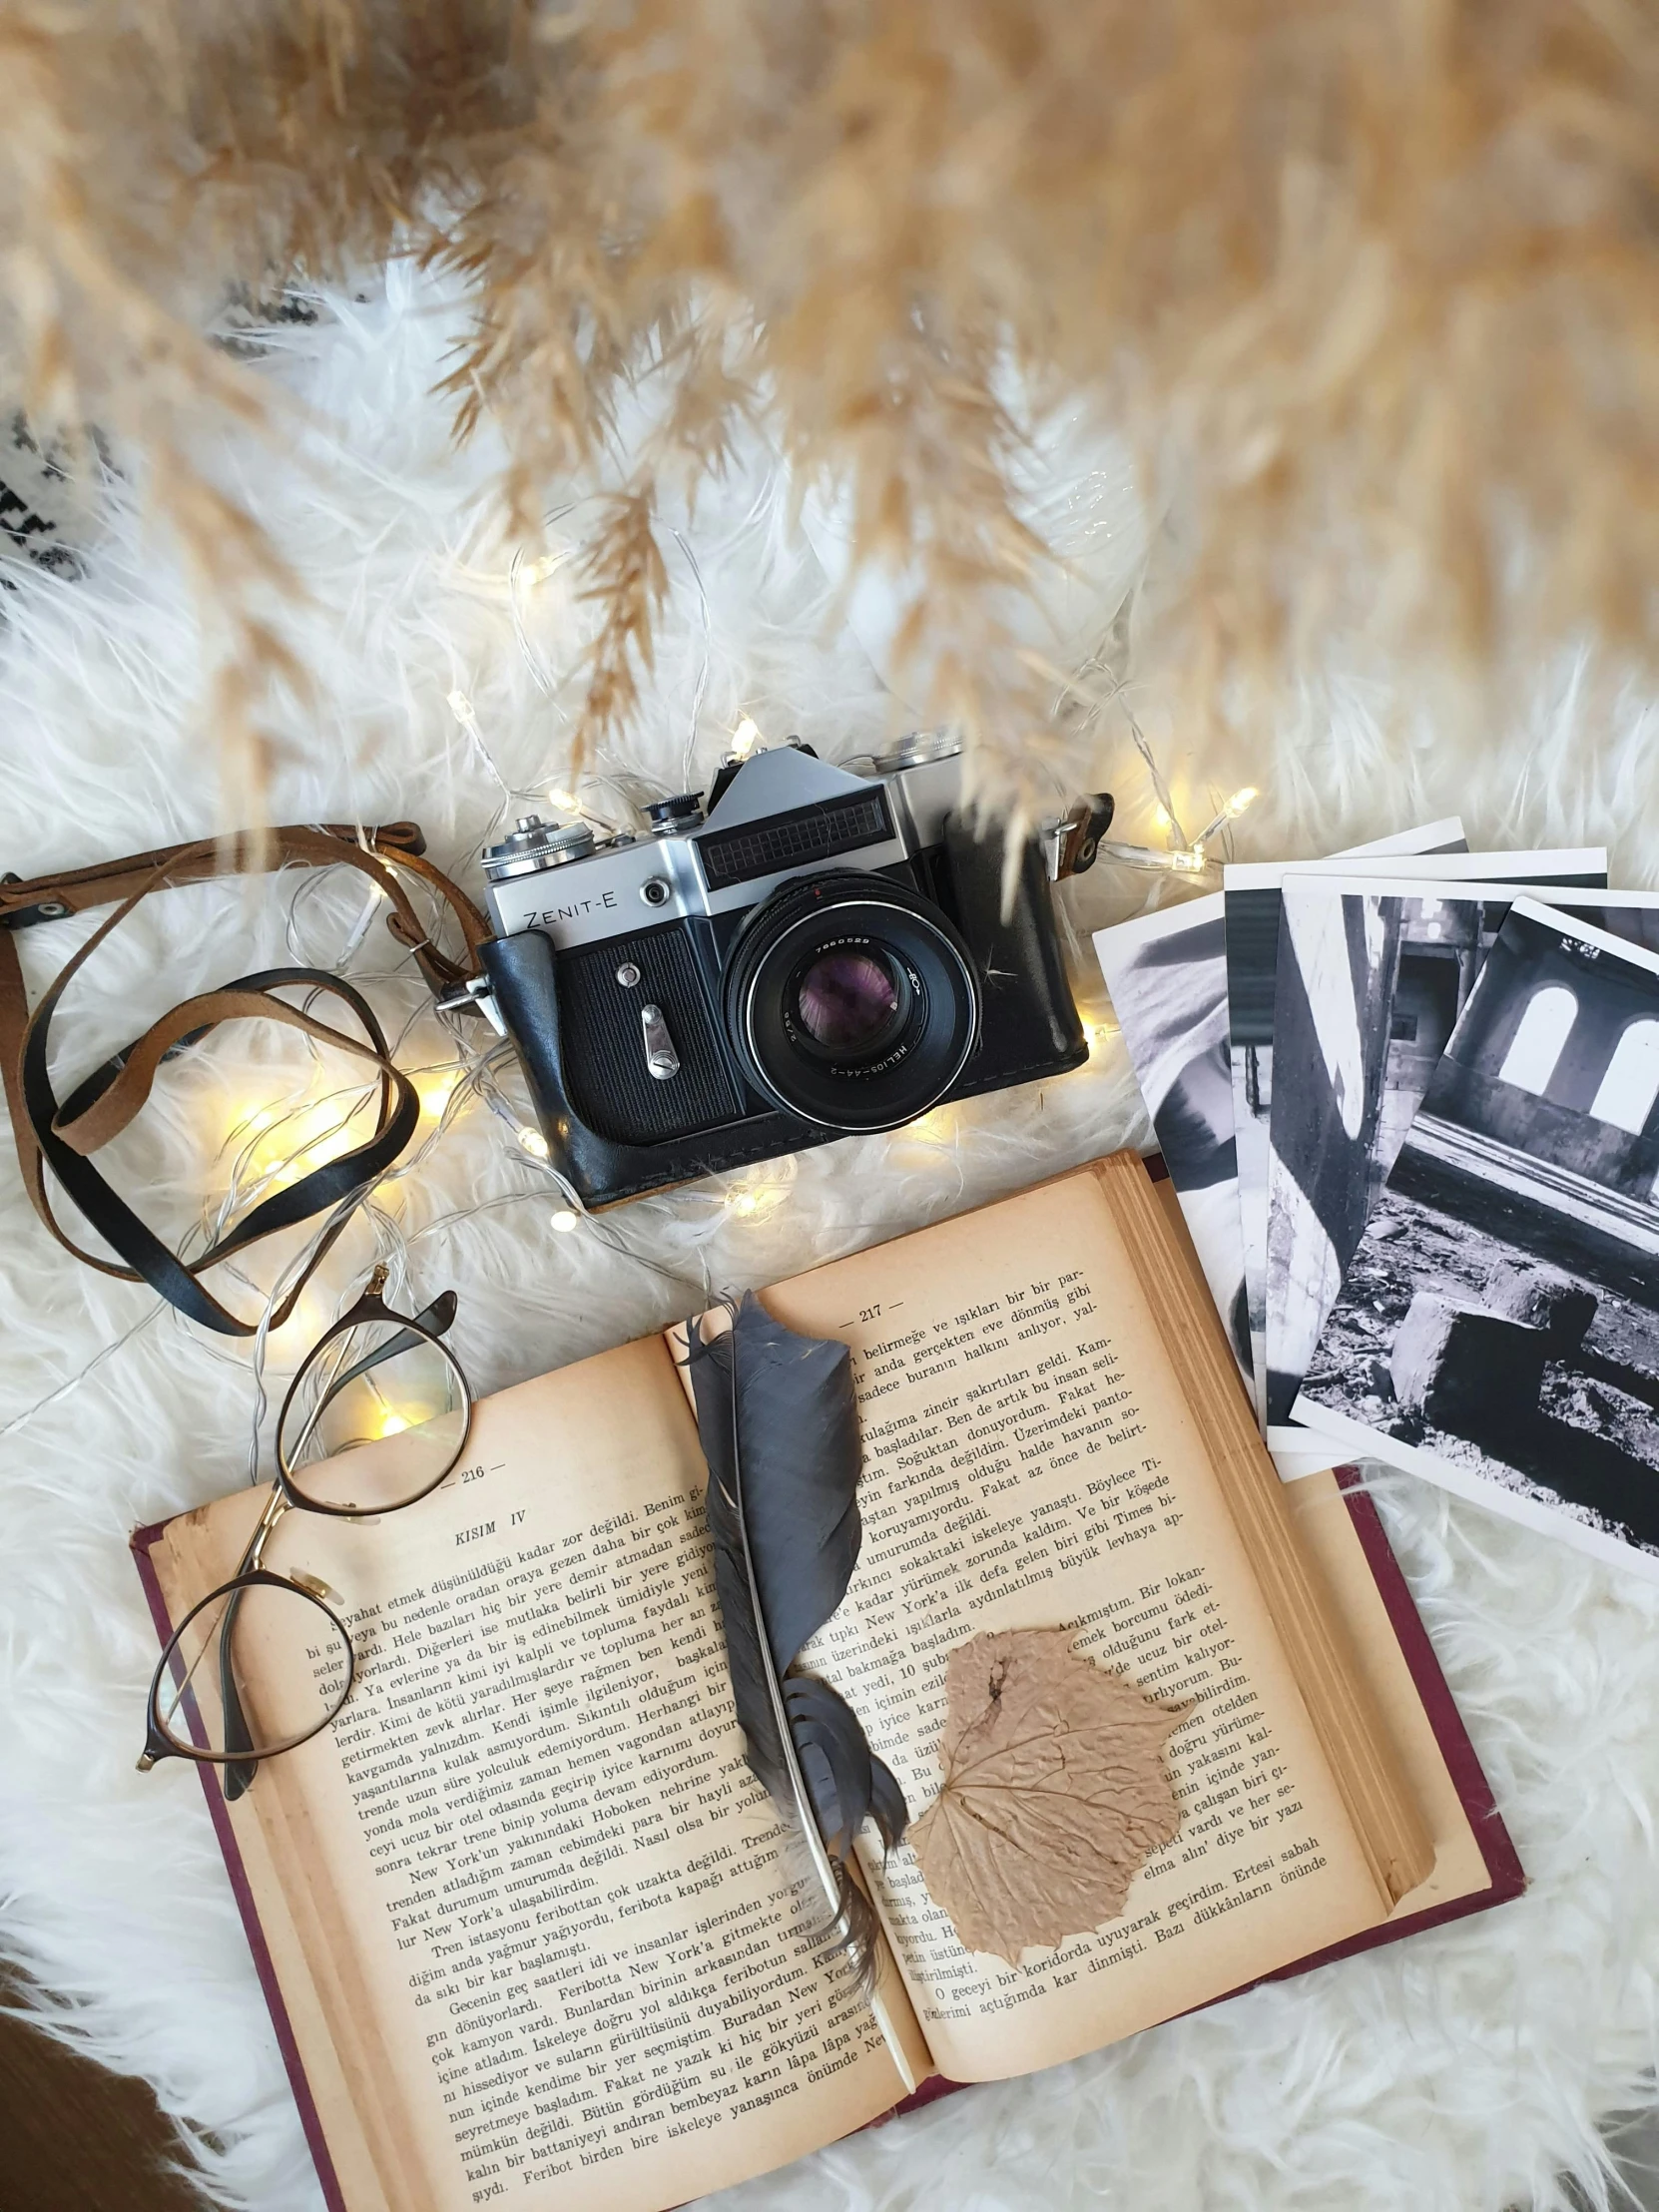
(1462, 2071)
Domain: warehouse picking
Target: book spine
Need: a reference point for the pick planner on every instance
(143, 1542)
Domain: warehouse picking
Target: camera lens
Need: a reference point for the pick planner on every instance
(847, 1001)
(851, 1000)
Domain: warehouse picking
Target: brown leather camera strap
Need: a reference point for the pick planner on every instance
(61, 1134)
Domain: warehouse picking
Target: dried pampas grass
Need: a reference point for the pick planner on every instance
(1372, 286)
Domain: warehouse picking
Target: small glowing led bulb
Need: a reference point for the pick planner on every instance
(564, 1219)
(745, 739)
(435, 1091)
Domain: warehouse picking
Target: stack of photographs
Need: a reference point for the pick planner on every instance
(1369, 980)
(1409, 1099)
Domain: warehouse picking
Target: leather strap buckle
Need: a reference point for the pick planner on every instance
(25, 918)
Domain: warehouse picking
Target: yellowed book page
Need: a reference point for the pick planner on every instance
(549, 1947)
(1330, 1542)
(1030, 1462)
(1351, 1733)
(1332, 1548)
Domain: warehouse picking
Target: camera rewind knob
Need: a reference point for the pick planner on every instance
(537, 845)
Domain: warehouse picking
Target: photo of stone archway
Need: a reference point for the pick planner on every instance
(1500, 1315)
(1371, 981)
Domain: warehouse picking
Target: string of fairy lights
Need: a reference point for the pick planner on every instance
(277, 1141)
(270, 1142)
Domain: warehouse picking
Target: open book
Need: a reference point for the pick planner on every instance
(525, 1916)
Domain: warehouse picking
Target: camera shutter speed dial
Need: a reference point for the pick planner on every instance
(668, 817)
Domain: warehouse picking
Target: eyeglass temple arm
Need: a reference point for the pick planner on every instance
(439, 1316)
(432, 1322)
(238, 1777)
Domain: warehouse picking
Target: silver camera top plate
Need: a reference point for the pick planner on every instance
(712, 868)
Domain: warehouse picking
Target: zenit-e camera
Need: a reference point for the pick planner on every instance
(819, 952)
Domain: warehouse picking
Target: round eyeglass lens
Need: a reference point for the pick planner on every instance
(377, 1418)
(253, 1670)
(846, 1000)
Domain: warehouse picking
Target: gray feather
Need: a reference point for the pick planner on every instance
(779, 1424)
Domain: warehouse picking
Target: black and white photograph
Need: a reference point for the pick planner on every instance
(1372, 978)
(1167, 975)
(1250, 890)
(1498, 1327)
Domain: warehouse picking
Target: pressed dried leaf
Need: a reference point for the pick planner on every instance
(1055, 1791)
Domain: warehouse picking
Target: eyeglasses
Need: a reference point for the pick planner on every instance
(378, 1415)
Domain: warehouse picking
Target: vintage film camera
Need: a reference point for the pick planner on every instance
(820, 953)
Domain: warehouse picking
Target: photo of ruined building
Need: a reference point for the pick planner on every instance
(1370, 984)
(1500, 1312)
(1369, 987)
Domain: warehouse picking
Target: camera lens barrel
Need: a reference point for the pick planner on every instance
(851, 1000)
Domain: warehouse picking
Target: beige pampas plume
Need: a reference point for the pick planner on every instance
(1373, 285)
